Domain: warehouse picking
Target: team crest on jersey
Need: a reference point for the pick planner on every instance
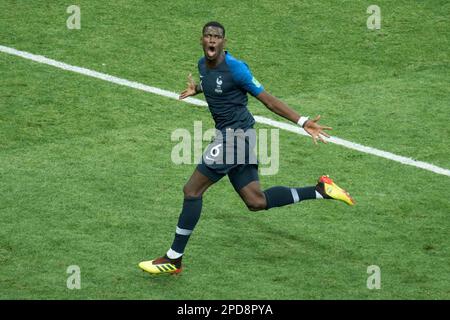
(219, 82)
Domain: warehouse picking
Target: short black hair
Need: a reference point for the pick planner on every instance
(214, 24)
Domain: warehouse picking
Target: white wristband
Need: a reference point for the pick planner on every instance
(301, 122)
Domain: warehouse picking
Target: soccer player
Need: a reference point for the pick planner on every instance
(225, 82)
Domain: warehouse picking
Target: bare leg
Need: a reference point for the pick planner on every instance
(198, 183)
(253, 196)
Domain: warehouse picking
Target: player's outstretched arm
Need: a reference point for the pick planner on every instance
(277, 106)
(192, 88)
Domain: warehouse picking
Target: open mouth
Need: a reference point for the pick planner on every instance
(211, 51)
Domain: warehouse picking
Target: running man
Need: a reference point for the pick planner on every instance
(225, 82)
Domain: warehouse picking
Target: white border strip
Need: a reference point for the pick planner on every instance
(263, 120)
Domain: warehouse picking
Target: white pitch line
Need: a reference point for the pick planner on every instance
(259, 119)
(358, 147)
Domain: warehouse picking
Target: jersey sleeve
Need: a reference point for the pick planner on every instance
(245, 79)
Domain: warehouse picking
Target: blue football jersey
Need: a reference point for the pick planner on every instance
(225, 88)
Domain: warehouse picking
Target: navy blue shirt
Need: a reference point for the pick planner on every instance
(225, 88)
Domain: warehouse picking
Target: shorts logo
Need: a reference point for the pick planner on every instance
(214, 152)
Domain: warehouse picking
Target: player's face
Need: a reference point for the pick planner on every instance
(213, 42)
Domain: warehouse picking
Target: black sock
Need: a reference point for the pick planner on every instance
(282, 196)
(306, 193)
(192, 207)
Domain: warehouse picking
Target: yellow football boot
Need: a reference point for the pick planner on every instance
(329, 190)
(161, 266)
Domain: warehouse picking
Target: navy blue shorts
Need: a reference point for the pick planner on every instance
(231, 155)
(239, 176)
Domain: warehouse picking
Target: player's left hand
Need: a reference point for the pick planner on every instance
(315, 130)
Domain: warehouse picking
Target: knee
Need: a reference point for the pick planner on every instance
(191, 193)
(256, 203)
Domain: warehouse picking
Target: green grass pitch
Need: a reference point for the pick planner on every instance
(86, 176)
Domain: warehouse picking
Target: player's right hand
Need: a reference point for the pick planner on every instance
(190, 90)
(315, 130)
